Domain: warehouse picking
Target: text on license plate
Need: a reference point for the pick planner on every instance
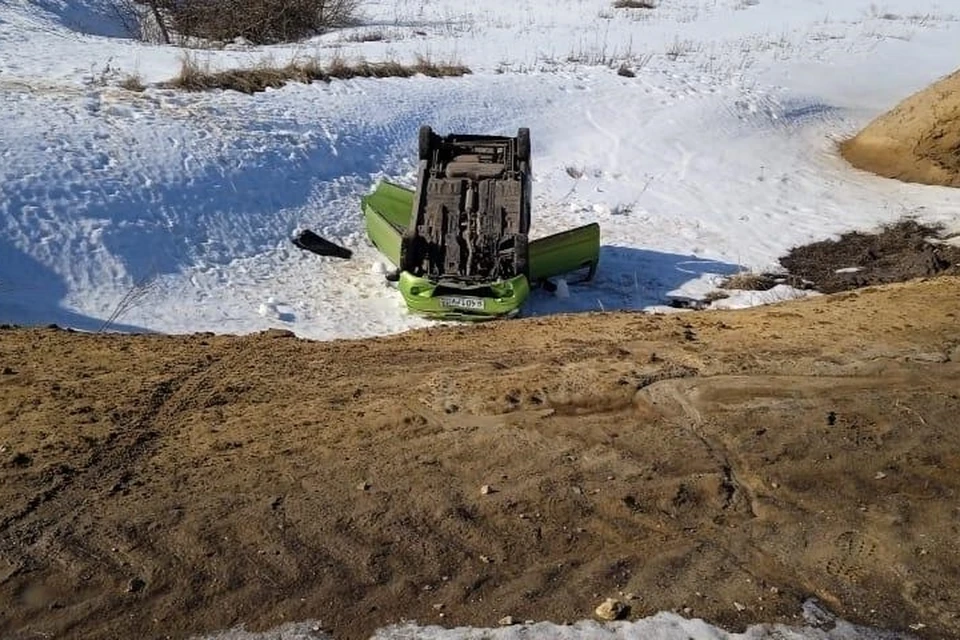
(462, 302)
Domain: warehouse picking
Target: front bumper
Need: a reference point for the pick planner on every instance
(471, 303)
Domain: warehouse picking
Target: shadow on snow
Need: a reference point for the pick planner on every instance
(628, 279)
(30, 294)
(91, 18)
(221, 211)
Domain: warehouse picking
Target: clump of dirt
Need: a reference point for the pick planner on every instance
(750, 281)
(918, 141)
(899, 252)
(762, 281)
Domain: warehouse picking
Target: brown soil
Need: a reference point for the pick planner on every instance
(896, 253)
(728, 465)
(918, 141)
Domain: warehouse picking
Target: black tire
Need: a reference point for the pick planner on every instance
(408, 253)
(425, 142)
(525, 199)
(525, 218)
(521, 253)
(523, 144)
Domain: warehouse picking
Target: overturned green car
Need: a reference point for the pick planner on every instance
(459, 240)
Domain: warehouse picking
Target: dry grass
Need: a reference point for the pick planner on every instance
(680, 48)
(133, 82)
(634, 4)
(749, 281)
(715, 295)
(195, 76)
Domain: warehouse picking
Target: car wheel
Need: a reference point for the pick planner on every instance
(521, 253)
(523, 144)
(408, 253)
(425, 142)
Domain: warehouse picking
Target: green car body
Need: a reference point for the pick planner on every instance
(387, 213)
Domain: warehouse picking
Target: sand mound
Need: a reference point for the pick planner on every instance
(918, 141)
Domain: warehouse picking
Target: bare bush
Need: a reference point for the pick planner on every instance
(257, 21)
(144, 20)
(680, 48)
(132, 299)
(127, 14)
(133, 82)
(716, 294)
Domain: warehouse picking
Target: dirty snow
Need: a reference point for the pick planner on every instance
(813, 623)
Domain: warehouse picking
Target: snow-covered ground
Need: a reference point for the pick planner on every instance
(172, 212)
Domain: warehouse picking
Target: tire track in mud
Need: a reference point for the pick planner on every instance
(120, 445)
(669, 398)
(112, 466)
(839, 564)
(737, 496)
(686, 398)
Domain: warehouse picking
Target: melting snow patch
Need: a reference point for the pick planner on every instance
(742, 299)
(820, 625)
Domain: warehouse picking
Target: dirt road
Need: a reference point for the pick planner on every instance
(726, 465)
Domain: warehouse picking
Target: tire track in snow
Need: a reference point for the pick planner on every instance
(613, 152)
(763, 113)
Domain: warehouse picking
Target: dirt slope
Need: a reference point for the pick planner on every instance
(918, 141)
(727, 465)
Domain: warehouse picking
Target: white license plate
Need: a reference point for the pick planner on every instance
(461, 302)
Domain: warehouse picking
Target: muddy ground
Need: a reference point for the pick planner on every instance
(897, 252)
(726, 465)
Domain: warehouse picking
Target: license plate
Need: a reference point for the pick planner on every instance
(462, 302)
